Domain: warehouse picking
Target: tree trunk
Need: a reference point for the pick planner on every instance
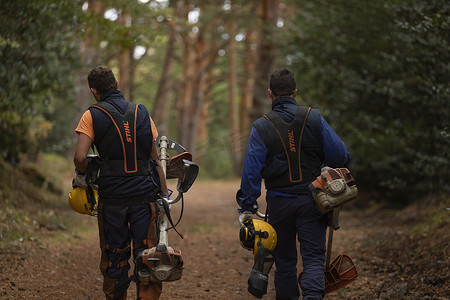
(199, 54)
(160, 111)
(247, 87)
(199, 76)
(184, 110)
(125, 59)
(89, 59)
(232, 88)
(269, 11)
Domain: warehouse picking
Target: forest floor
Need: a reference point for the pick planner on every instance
(399, 254)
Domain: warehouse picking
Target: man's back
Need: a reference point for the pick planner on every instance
(135, 185)
(292, 137)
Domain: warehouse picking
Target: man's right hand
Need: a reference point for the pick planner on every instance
(244, 216)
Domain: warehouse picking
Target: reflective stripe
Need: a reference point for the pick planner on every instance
(140, 244)
(121, 264)
(117, 250)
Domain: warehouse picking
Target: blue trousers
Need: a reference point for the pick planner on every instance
(298, 217)
(122, 227)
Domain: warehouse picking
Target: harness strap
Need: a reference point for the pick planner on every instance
(119, 265)
(290, 135)
(117, 250)
(108, 139)
(124, 127)
(140, 244)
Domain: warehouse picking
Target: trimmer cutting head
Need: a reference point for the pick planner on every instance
(342, 272)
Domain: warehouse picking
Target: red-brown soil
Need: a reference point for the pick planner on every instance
(398, 254)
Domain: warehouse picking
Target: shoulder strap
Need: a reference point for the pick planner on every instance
(291, 138)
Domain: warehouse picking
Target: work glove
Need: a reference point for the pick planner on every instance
(79, 180)
(244, 216)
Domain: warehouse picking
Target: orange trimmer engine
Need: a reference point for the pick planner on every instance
(333, 188)
(163, 264)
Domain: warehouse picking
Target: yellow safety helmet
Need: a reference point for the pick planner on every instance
(84, 200)
(257, 233)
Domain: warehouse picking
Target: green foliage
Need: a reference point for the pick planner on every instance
(435, 219)
(379, 71)
(38, 46)
(125, 25)
(33, 199)
(146, 28)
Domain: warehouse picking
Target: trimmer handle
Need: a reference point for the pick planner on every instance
(334, 224)
(172, 201)
(260, 214)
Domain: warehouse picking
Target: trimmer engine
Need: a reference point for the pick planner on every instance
(333, 188)
(164, 264)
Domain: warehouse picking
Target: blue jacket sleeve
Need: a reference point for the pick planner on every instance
(335, 152)
(254, 161)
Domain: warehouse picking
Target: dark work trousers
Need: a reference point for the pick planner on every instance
(123, 225)
(298, 217)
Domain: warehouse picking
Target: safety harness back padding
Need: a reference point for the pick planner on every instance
(291, 138)
(124, 126)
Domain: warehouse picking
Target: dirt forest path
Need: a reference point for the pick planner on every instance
(216, 267)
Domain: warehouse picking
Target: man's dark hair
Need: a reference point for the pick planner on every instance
(102, 79)
(282, 82)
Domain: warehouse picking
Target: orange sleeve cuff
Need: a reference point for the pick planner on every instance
(86, 125)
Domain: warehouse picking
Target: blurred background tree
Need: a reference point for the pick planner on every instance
(378, 70)
(38, 42)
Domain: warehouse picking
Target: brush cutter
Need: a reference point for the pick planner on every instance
(174, 164)
(164, 263)
(160, 263)
(330, 191)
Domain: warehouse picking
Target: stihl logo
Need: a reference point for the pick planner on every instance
(291, 141)
(127, 131)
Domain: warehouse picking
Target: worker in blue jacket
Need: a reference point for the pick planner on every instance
(288, 147)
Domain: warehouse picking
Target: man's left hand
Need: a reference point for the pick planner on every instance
(244, 216)
(79, 180)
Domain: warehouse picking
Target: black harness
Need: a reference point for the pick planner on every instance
(123, 127)
(291, 139)
(284, 160)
